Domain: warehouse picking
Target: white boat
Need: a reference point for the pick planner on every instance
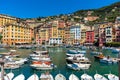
(33, 77)
(73, 66)
(43, 66)
(73, 77)
(60, 77)
(77, 55)
(83, 65)
(19, 77)
(86, 77)
(112, 77)
(46, 76)
(9, 76)
(11, 65)
(99, 77)
(115, 50)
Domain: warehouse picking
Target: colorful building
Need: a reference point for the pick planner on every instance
(90, 37)
(16, 34)
(5, 19)
(75, 34)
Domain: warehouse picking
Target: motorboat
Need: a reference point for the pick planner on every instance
(33, 77)
(73, 66)
(98, 57)
(73, 77)
(60, 77)
(11, 65)
(83, 66)
(86, 77)
(46, 76)
(76, 51)
(99, 77)
(19, 77)
(42, 65)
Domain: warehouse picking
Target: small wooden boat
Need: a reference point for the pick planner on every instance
(9, 76)
(73, 77)
(112, 77)
(33, 77)
(86, 77)
(19, 77)
(99, 77)
(60, 77)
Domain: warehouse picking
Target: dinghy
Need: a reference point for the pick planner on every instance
(73, 77)
(9, 76)
(19, 77)
(33, 77)
(86, 77)
(46, 76)
(60, 77)
(99, 77)
(112, 77)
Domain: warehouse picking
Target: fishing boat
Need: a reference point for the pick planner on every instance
(86, 77)
(112, 77)
(99, 77)
(46, 76)
(9, 76)
(33, 77)
(73, 77)
(19, 77)
(60, 77)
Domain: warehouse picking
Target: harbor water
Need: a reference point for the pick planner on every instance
(58, 56)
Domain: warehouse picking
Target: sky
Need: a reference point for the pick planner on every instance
(42, 8)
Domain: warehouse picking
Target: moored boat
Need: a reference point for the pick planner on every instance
(19, 77)
(33, 77)
(73, 77)
(60, 77)
(46, 76)
(9, 76)
(112, 77)
(86, 77)
(99, 77)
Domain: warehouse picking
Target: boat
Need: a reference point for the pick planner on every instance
(83, 66)
(76, 52)
(115, 50)
(99, 77)
(98, 57)
(75, 59)
(77, 55)
(46, 76)
(86, 77)
(11, 65)
(109, 60)
(33, 77)
(73, 77)
(60, 77)
(95, 53)
(19, 77)
(112, 77)
(42, 65)
(73, 66)
(9, 76)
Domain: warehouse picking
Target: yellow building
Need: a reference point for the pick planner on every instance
(5, 19)
(55, 29)
(16, 33)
